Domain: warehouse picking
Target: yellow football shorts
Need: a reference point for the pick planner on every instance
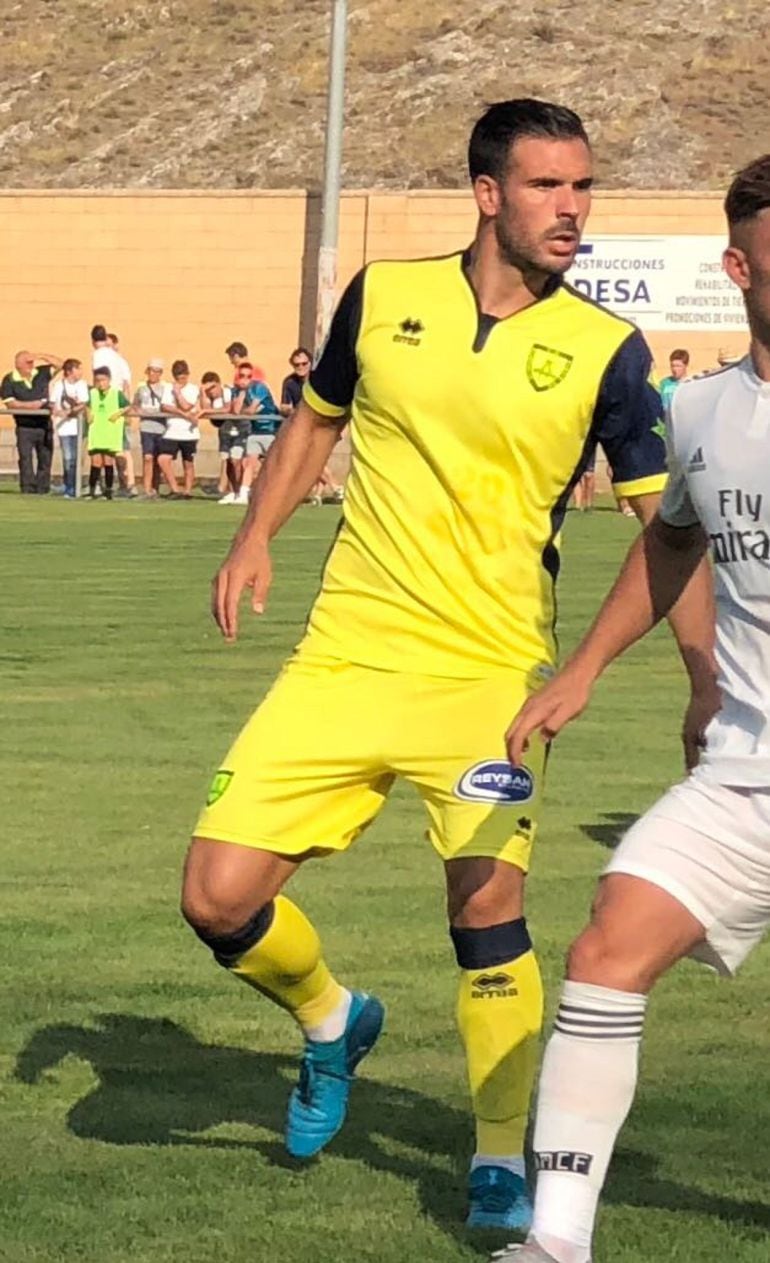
(315, 763)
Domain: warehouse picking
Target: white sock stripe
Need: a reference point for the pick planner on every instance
(636, 1035)
(631, 1020)
(578, 1008)
(604, 997)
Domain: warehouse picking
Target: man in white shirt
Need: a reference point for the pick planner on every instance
(69, 400)
(692, 877)
(181, 407)
(106, 355)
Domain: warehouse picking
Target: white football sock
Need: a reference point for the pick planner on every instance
(587, 1086)
(513, 1163)
(334, 1025)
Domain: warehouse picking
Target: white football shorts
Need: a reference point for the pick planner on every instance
(708, 845)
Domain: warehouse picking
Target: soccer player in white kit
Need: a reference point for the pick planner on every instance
(692, 877)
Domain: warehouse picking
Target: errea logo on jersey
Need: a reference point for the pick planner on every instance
(547, 368)
(495, 781)
(411, 332)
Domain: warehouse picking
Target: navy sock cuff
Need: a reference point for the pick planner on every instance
(229, 948)
(491, 946)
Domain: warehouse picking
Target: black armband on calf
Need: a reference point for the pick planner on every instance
(494, 945)
(230, 947)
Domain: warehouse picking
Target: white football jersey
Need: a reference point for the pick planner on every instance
(719, 459)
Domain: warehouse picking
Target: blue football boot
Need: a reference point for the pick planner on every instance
(319, 1103)
(498, 1199)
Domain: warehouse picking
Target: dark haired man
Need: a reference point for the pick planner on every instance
(237, 353)
(301, 362)
(692, 877)
(478, 386)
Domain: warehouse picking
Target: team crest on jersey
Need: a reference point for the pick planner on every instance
(547, 368)
(218, 786)
(496, 781)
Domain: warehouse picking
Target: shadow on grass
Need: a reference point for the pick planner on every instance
(609, 830)
(158, 1085)
(633, 1181)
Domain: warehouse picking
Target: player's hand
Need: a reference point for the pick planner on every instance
(560, 701)
(705, 701)
(245, 568)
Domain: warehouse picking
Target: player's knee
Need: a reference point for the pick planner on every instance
(483, 893)
(603, 957)
(214, 910)
(587, 956)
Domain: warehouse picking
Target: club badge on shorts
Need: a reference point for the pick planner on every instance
(496, 781)
(218, 786)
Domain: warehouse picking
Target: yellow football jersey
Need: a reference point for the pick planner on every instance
(468, 435)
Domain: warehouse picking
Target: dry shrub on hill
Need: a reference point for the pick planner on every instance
(210, 93)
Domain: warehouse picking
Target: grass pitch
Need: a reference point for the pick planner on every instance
(142, 1091)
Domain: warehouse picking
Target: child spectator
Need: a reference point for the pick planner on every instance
(181, 402)
(216, 401)
(107, 407)
(148, 402)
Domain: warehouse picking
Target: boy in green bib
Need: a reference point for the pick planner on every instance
(107, 407)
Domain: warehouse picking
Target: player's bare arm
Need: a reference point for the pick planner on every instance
(293, 464)
(664, 574)
(692, 620)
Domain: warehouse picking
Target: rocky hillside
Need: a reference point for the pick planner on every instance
(231, 93)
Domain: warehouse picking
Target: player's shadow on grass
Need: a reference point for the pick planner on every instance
(633, 1181)
(610, 828)
(158, 1085)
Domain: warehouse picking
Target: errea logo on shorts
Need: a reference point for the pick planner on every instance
(495, 781)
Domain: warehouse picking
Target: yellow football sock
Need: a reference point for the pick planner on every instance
(500, 1013)
(286, 965)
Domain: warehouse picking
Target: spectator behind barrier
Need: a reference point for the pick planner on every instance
(107, 355)
(181, 406)
(69, 397)
(149, 399)
(291, 390)
(216, 402)
(25, 390)
(107, 408)
(237, 353)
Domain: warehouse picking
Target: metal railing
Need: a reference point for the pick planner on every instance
(207, 456)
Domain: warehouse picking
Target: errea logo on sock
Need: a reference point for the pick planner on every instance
(497, 986)
(564, 1161)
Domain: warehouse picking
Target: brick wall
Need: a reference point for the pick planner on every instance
(181, 274)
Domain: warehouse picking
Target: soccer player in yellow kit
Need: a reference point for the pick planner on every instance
(477, 387)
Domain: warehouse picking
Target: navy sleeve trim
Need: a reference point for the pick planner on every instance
(335, 375)
(628, 416)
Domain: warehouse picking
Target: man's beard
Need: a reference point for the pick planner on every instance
(519, 256)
